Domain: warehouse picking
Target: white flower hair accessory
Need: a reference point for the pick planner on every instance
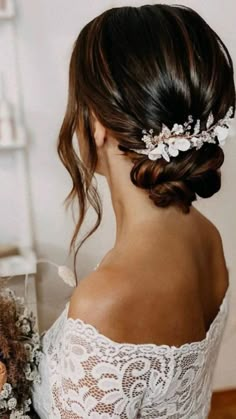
(169, 142)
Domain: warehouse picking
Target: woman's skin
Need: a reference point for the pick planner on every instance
(165, 277)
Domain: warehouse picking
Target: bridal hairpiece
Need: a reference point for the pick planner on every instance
(169, 142)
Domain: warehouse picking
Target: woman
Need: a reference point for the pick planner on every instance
(151, 96)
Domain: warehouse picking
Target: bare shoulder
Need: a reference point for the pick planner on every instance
(217, 254)
(207, 224)
(211, 232)
(101, 300)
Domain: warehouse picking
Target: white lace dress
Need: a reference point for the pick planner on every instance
(87, 375)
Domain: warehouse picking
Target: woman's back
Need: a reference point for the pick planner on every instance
(179, 277)
(154, 355)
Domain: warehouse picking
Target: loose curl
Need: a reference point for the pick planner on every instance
(136, 68)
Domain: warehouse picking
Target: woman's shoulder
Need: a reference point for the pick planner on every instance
(203, 222)
(103, 300)
(213, 242)
(217, 280)
(120, 308)
(127, 311)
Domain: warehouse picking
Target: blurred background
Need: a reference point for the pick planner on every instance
(36, 39)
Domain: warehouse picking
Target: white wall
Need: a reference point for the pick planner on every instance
(46, 31)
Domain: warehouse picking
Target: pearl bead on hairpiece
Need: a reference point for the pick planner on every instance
(169, 142)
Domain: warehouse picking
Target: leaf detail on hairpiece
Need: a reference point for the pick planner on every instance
(221, 133)
(229, 113)
(210, 120)
(173, 151)
(196, 127)
(154, 155)
(182, 144)
(158, 152)
(165, 132)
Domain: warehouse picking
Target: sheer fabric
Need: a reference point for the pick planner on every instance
(87, 375)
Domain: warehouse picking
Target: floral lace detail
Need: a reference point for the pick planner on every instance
(87, 375)
(101, 340)
(93, 377)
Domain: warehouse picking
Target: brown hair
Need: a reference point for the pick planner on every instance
(136, 68)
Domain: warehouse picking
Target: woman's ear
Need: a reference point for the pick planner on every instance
(99, 131)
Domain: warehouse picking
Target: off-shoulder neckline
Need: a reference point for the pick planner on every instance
(92, 331)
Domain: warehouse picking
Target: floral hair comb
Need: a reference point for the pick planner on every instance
(169, 142)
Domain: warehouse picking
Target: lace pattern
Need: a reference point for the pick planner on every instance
(93, 377)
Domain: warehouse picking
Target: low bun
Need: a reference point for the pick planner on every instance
(192, 173)
(172, 193)
(207, 184)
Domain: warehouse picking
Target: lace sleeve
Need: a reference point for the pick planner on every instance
(94, 377)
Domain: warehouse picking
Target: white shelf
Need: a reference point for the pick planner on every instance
(14, 145)
(25, 262)
(5, 16)
(22, 264)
